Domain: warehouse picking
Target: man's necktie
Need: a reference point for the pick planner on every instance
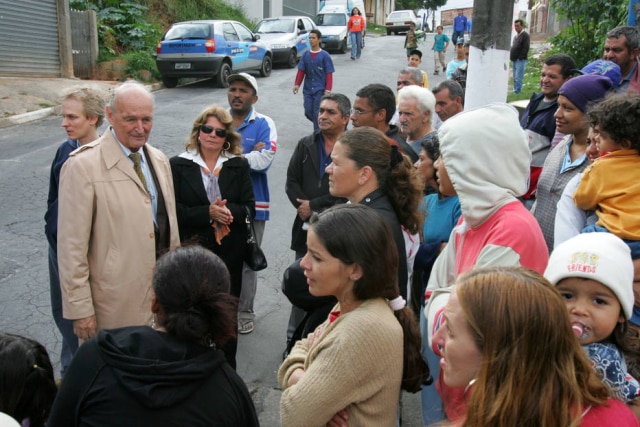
(136, 158)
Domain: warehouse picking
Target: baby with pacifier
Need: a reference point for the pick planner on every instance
(594, 274)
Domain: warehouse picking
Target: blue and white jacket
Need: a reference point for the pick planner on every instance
(259, 128)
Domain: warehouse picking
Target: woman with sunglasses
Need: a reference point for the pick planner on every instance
(213, 191)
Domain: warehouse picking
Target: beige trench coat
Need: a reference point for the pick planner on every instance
(106, 240)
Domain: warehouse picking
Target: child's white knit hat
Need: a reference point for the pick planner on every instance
(602, 257)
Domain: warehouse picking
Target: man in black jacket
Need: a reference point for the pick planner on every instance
(307, 184)
(518, 54)
(374, 106)
(538, 120)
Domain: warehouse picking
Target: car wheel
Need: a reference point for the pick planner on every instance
(293, 59)
(223, 75)
(265, 69)
(343, 47)
(170, 82)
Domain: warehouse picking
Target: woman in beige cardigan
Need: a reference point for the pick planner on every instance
(353, 366)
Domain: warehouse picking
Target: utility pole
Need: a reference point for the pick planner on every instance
(488, 75)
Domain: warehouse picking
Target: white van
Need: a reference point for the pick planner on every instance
(332, 22)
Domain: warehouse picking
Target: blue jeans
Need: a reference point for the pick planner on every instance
(312, 107)
(518, 74)
(65, 326)
(432, 409)
(454, 37)
(356, 44)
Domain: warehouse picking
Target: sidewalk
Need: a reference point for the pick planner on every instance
(23, 100)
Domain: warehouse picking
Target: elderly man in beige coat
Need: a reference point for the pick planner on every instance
(116, 215)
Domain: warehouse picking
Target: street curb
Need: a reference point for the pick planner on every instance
(31, 116)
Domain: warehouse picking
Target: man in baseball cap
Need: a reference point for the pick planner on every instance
(259, 138)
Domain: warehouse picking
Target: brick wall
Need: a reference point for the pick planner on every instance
(446, 16)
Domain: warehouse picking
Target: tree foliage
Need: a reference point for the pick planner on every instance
(588, 23)
(419, 4)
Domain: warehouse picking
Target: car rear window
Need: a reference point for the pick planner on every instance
(188, 32)
(399, 15)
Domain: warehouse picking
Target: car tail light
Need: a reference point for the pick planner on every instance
(210, 45)
(159, 46)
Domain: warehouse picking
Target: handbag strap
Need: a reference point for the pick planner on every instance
(251, 234)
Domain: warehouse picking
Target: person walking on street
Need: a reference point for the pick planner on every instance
(459, 27)
(439, 48)
(411, 40)
(316, 68)
(356, 26)
(518, 54)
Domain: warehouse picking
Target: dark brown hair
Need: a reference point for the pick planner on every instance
(357, 234)
(191, 285)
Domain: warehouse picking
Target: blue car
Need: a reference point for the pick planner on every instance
(210, 49)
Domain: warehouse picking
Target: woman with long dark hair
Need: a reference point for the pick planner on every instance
(369, 347)
(366, 169)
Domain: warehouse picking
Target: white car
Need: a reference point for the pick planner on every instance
(399, 21)
(288, 37)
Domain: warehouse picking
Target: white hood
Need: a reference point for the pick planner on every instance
(487, 157)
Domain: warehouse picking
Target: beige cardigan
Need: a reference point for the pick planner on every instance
(354, 363)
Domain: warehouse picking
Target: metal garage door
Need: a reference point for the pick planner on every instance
(29, 38)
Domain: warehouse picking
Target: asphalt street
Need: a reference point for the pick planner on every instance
(26, 152)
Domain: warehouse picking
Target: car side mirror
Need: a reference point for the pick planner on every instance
(256, 37)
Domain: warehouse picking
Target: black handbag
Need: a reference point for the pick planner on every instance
(253, 255)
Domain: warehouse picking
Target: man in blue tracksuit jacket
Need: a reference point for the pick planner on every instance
(259, 138)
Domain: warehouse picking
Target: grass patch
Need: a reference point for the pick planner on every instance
(376, 29)
(45, 105)
(530, 83)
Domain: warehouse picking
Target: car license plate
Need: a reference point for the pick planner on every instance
(183, 66)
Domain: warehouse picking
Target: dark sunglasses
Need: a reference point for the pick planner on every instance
(208, 129)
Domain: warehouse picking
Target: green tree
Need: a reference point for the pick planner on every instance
(408, 4)
(588, 23)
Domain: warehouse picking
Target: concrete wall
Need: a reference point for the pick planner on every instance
(259, 9)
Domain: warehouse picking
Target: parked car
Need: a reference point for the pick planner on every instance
(287, 36)
(211, 48)
(399, 21)
(332, 23)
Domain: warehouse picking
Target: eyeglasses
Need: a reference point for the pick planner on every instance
(359, 112)
(208, 129)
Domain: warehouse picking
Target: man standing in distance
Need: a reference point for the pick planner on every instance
(449, 99)
(374, 106)
(116, 215)
(538, 120)
(307, 183)
(259, 139)
(621, 47)
(519, 53)
(316, 68)
(459, 27)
